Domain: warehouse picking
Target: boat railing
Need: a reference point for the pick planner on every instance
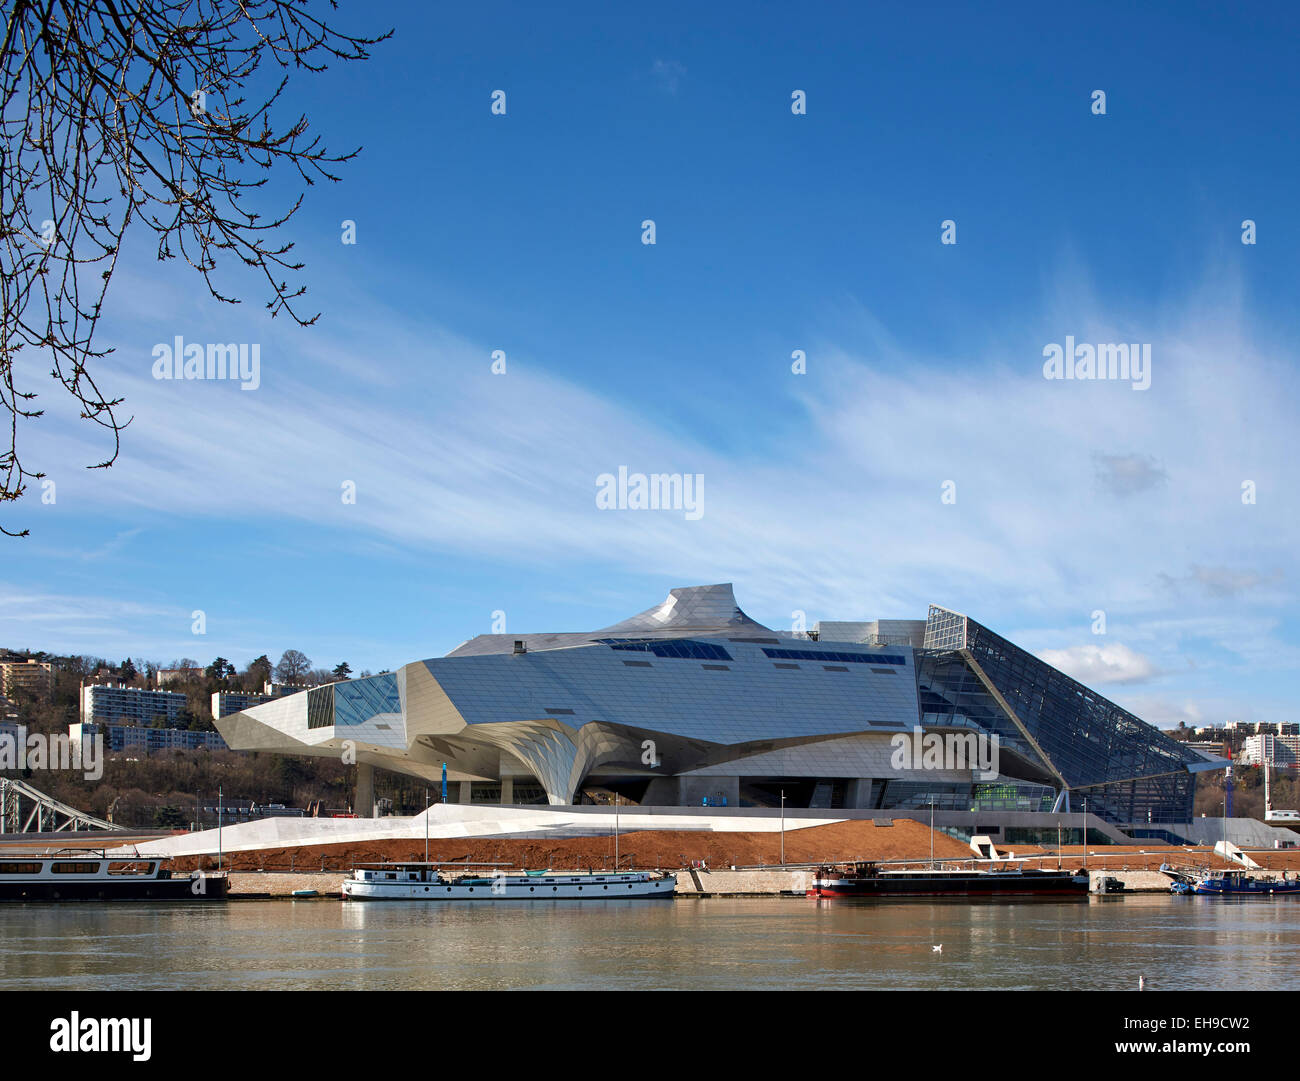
(398, 865)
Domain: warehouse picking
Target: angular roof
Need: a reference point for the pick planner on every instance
(689, 610)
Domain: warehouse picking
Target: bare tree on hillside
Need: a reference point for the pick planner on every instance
(294, 667)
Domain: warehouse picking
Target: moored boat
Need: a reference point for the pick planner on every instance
(425, 882)
(1225, 882)
(870, 880)
(82, 876)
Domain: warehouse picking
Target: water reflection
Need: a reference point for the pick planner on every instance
(715, 943)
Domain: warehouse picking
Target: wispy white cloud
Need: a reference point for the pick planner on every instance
(101, 625)
(444, 453)
(111, 547)
(841, 517)
(1097, 665)
(669, 74)
(1224, 581)
(1128, 474)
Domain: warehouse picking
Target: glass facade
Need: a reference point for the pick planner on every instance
(1004, 795)
(1125, 769)
(681, 648)
(320, 707)
(353, 702)
(953, 696)
(835, 655)
(359, 700)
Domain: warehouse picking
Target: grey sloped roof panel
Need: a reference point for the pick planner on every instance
(715, 689)
(505, 643)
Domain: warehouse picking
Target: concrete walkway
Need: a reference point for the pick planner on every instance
(453, 821)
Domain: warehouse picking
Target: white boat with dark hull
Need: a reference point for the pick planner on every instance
(425, 882)
(82, 876)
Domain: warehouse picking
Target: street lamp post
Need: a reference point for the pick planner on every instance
(1225, 831)
(783, 827)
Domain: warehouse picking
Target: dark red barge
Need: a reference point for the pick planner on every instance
(869, 880)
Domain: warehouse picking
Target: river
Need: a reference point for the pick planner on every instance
(691, 943)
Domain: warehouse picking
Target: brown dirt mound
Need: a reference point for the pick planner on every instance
(838, 841)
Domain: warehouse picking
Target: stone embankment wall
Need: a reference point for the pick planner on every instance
(733, 883)
(1134, 881)
(254, 883)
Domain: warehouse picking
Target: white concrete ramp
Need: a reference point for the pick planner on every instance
(457, 821)
(1233, 854)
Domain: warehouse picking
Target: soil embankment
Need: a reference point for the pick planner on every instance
(863, 840)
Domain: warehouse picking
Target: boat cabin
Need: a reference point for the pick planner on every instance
(399, 872)
(68, 868)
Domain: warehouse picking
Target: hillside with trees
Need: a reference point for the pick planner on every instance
(164, 789)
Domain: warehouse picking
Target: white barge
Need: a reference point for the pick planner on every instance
(425, 882)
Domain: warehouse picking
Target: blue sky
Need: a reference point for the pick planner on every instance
(775, 232)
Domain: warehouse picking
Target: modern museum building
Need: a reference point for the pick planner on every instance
(693, 703)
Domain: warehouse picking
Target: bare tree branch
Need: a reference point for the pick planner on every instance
(114, 112)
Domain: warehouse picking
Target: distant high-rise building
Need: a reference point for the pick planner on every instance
(1273, 750)
(225, 703)
(35, 677)
(109, 703)
(130, 737)
(177, 675)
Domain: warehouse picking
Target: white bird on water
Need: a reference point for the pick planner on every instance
(1142, 983)
(937, 949)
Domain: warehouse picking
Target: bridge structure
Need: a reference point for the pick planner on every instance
(24, 809)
